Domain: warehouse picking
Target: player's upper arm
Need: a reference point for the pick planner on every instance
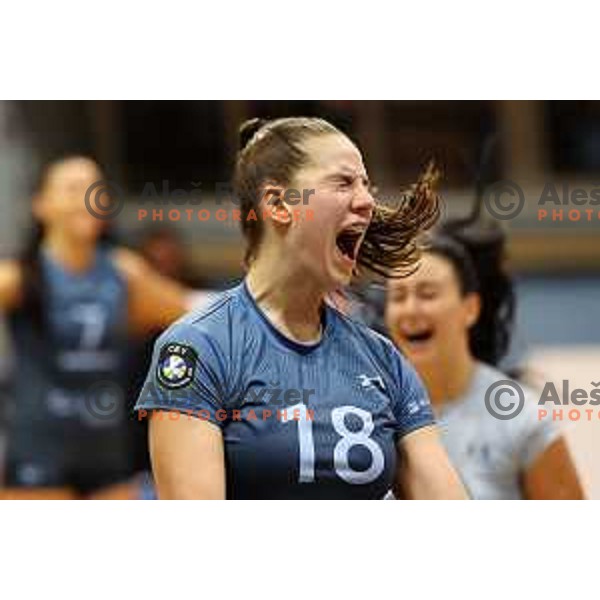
(552, 475)
(10, 285)
(187, 458)
(548, 472)
(184, 397)
(424, 470)
(155, 301)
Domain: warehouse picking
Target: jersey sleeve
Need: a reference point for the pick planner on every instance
(186, 375)
(536, 432)
(411, 405)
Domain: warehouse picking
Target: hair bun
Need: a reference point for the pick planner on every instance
(248, 130)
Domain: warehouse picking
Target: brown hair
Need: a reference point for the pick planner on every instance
(34, 292)
(273, 151)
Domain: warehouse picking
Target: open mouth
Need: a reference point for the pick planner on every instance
(348, 242)
(420, 337)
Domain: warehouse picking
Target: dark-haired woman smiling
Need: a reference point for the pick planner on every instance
(439, 320)
(366, 425)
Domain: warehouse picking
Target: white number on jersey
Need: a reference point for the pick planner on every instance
(341, 451)
(93, 318)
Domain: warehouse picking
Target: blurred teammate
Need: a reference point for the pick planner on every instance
(72, 300)
(452, 320)
(271, 392)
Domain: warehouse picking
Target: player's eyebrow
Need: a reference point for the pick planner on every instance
(348, 172)
(428, 284)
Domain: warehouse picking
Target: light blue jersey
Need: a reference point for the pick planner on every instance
(66, 428)
(84, 344)
(298, 420)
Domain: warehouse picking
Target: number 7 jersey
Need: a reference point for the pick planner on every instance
(83, 344)
(298, 420)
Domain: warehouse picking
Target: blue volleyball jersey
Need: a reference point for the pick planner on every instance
(73, 373)
(298, 420)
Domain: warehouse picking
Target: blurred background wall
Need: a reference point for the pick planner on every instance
(192, 144)
(187, 142)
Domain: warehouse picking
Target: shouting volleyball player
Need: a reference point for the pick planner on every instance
(356, 421)
(72, 300)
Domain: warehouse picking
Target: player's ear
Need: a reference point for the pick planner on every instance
(39, 208)
(472, 304)
(272, 201)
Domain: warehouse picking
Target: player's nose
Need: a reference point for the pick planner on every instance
(410, 307)
(363, 202)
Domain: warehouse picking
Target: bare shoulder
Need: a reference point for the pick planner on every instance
(10, 284)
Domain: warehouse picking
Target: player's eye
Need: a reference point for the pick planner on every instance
(428, 293)
(399, 296)
(345, 182)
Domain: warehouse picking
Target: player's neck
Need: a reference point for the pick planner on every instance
(76, 257)
(291, 305)
(449, 378)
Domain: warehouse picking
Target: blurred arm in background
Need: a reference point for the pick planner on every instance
(552, 476)
(10, 284)
(424, 469)
(155, 301)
